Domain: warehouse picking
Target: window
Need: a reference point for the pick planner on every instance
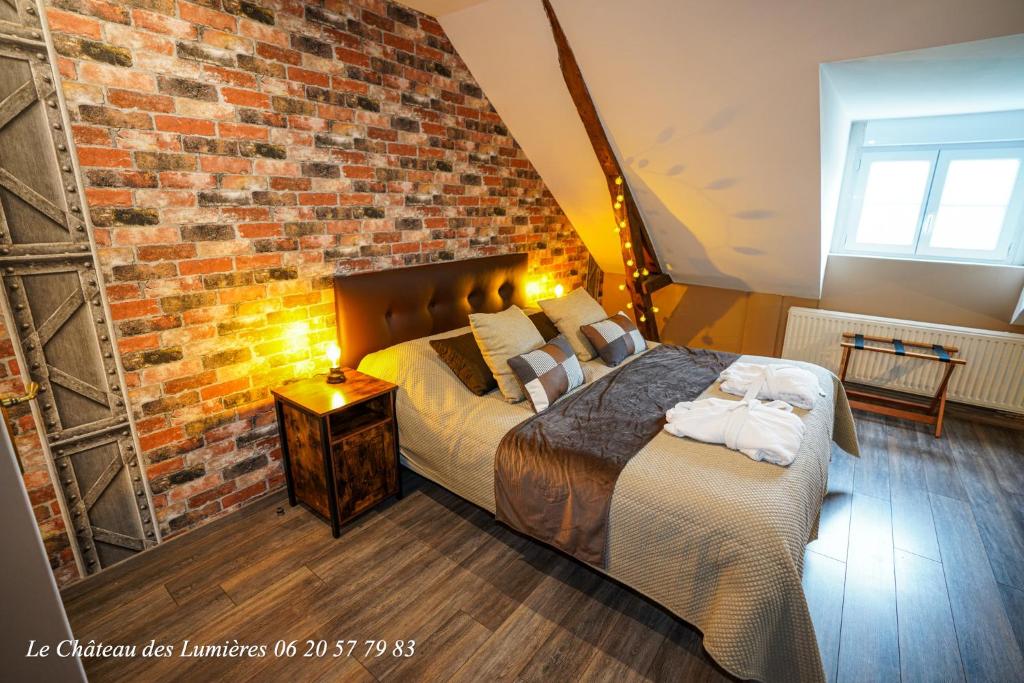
(959, 202)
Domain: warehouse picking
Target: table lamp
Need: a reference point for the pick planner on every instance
(336, 375)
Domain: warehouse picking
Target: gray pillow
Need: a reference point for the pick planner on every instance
(501, 336)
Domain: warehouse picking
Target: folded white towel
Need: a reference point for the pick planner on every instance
(761, 431)
(788, 383)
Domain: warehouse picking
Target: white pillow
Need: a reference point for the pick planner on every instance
(569, 313)
(501, 336)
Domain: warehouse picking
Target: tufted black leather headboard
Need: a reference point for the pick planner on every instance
(376, 310)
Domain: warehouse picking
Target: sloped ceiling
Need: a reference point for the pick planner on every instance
(713, 108)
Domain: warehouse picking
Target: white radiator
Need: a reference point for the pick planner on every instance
(993, 376)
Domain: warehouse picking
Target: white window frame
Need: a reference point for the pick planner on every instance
(1010, 249)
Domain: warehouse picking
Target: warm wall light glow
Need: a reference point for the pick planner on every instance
(541, 287)
(533, 290)
(296, 335)
(334, 354)
(622, 287)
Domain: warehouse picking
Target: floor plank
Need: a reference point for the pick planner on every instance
(912, 527)
(823, 583)
(928, 644)
(444, 652)
(869, 644)
(871, 477)
(834, 523)
(988, 646)
(628, 648)
(1013, 603)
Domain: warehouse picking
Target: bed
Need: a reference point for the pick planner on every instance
(713, 536)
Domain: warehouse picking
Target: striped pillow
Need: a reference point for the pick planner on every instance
(615, 338)
(548, 373)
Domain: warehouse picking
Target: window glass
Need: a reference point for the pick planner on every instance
(975, 198)
(893, 196)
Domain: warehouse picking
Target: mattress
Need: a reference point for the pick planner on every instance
(713, 536)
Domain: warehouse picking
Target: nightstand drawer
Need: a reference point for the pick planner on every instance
(366, 471)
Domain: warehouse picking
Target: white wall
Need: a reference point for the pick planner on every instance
(714, 106)
(31, 605)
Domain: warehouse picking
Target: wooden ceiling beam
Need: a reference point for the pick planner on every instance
(638, 255)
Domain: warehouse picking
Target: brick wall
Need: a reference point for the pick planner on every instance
(235, 155)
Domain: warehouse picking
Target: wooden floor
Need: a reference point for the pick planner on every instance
(918, 574)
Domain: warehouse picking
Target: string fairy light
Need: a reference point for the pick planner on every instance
(627, 245)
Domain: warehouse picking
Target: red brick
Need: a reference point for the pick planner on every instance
(104, 157)
(203, 266)
(307, 76)
(66, 22)
(317, 199)
(224, 388)
(244, 495)
(207, 17)
(104, 196)
(166, 252)
(161, 23)
(161, 438)
(91, 135)
(245, 98)
(244, 131)
(177, 124)
(233, 76)
(142, 342)
(224, 165)
(134, 309)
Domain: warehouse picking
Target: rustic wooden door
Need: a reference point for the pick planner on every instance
(54, 297)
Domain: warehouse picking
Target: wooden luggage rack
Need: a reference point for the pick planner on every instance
(930, 412)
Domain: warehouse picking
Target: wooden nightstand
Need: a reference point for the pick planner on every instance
(339, 445)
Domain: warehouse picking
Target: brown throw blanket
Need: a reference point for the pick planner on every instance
(555, 473)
